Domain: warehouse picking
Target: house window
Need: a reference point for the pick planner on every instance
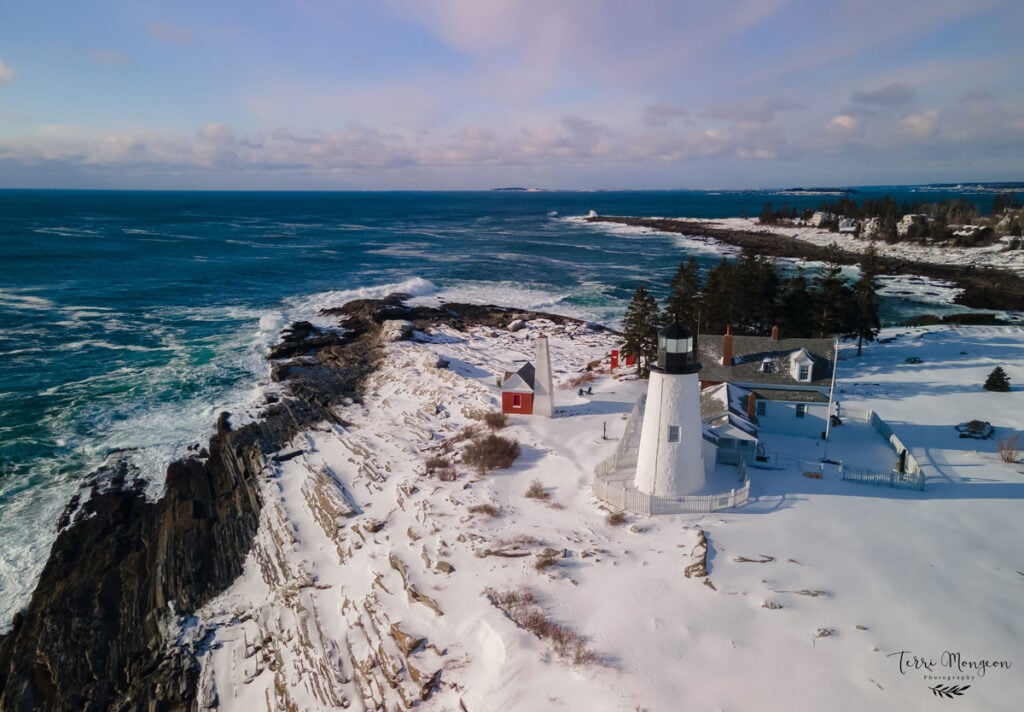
(801, 410)
(673, 433)
(762, 408)
(767, 366)
(517, 400)
(805, 372)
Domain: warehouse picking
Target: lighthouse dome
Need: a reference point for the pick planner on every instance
(677, 350)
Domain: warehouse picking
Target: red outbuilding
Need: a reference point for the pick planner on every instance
(517, 391)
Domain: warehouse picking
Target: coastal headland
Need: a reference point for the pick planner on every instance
(983, 287)
(107, 627)
(342, 551)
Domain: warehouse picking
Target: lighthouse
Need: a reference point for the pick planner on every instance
(670, 462)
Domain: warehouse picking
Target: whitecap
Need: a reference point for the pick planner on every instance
(272, 322)
(308, 308)
(15, 299)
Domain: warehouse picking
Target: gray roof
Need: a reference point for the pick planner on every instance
(780, 394)
(750, 351)
(521, 381)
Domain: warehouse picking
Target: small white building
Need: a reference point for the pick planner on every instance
(819, 218)
(908, 221)
(848, 226)
(730, 422)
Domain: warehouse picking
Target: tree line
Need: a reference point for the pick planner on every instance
(751, 296)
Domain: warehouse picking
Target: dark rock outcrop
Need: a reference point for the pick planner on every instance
(91, 638)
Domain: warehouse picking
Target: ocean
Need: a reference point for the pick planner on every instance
(130, 319)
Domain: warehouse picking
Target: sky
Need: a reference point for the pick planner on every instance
(475, 94)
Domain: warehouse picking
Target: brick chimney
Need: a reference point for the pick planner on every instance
(775, 333)
(752, 405)
(727, 347)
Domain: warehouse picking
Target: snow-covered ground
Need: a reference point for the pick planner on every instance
(996, 256)
(817, 590)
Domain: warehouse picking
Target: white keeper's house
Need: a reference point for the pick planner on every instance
(771, 383)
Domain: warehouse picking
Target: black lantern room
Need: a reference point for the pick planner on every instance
(677, 350)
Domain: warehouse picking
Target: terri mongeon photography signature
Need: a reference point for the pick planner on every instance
(949, 666)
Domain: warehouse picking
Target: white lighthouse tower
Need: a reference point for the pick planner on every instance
(670, 462)
(543, 388)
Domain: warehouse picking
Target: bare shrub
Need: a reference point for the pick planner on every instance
(522, 607)
(546, 559)
(513, 601)
(1008, 448)
(537, 491)
(447, 474)
(437, 462)
(496, 420)
(616, 519)
(520, 540)
(492, 452)
(470, 432)
(577, 381)
(489, 509)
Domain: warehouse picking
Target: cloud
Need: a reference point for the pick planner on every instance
(921, 125)
(977, 95)
(6, 73)
(844, 125)
(663, 113)
(588, 42)
(895, 94)
(573, 139)
(110, 58)
(170, 34)
(760, 111)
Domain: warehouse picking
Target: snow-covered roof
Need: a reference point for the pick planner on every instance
(519, 382)
(751, 352)
(723, 408)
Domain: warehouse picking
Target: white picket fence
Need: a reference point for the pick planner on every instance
(622, 495)
(899, 480)
(912, 477)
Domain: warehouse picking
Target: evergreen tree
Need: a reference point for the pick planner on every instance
(754, 286)
(1004, 201)
(718, 300)
(683, 302)
(865, 318)
(997, 380)
(640, 330)
(833, 300)
(796, 308)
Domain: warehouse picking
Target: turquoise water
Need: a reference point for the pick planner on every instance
(130, 319)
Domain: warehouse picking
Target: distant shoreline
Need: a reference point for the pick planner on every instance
(983, 287)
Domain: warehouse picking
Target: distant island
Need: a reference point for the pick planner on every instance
(819, 191)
